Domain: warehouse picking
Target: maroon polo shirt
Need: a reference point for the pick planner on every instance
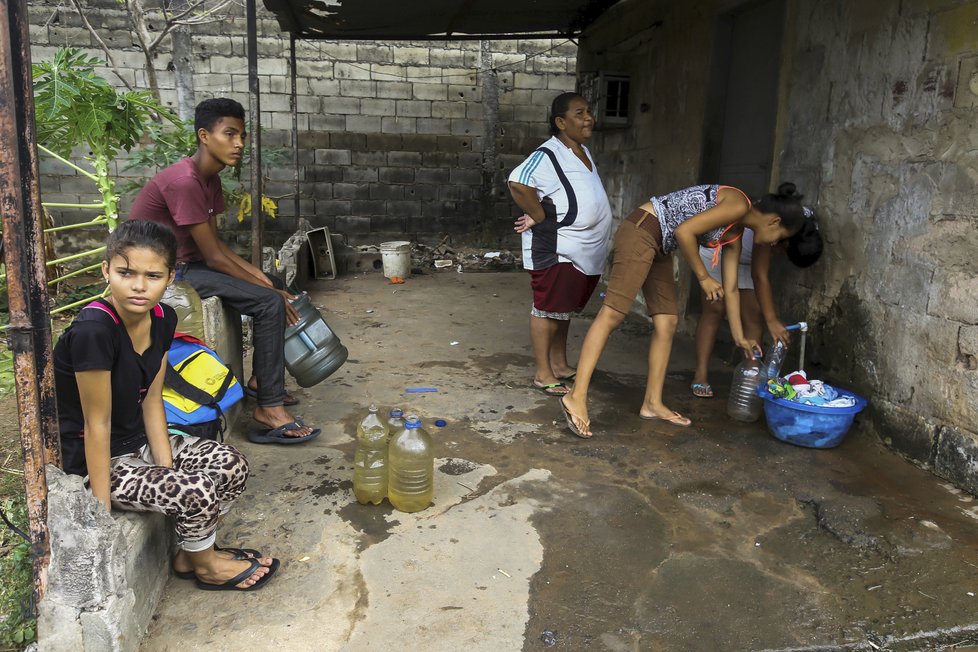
(179, 197)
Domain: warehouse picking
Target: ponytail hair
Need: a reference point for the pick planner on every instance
(805, 247)
(786, 204)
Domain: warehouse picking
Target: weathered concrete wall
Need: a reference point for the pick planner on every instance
(877, 125)
(395, 138)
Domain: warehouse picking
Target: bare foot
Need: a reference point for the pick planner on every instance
(663, 413)
(564, 373)
(577, 410)
(221, 570)
(277, 415)
(183, 564)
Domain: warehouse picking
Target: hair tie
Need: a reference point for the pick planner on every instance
(808, 212)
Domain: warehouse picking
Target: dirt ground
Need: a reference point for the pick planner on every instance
(647, 537)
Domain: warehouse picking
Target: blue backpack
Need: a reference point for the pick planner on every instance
(198, 388)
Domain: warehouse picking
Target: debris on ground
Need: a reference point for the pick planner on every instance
(465, 259)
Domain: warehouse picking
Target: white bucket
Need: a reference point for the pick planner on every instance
(397, 258)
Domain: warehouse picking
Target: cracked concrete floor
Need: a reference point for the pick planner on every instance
(715, 537)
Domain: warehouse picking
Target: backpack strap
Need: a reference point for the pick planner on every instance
(176, 382)
(98, 304)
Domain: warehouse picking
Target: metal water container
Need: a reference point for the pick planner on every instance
(312, 350)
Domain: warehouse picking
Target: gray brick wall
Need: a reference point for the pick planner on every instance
(392, 134)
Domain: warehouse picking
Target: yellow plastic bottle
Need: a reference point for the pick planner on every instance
(370, 460)
(411, 467)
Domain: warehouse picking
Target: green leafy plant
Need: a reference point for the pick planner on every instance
(18, 626)
(75, 106)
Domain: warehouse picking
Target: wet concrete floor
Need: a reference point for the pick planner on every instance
(647, 537)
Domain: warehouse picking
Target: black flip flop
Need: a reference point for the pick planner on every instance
(252, 393)
(278, 436)
(230, 585)
(237, 554)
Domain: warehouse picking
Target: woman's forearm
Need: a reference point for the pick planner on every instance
(98, 454)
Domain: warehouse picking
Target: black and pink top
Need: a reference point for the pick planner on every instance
(97, 340)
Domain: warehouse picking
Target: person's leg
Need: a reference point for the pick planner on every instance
(558, 351)
(706, 335)
(267, 309)
(543, 331)
(632, 254)
(659, 291)
(191, 499)
(659, 350)
(750, 315)
(575, 402)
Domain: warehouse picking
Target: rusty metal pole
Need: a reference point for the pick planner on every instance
(29, 331)
(294, 105)
(257, 214)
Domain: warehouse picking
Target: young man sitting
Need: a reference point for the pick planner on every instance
(187, 198)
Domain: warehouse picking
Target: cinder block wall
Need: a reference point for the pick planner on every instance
(396, 139)
(877, 119)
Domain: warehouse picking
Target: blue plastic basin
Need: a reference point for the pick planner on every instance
(812, 426)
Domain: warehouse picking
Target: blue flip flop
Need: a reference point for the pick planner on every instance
(230, 585)
(278, 436)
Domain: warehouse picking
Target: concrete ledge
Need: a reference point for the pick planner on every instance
(108, 571)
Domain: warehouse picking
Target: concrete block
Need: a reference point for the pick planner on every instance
(904, 430)
(419, 142)
(386, 191)
(384, 142)
(413, 109)
(333, 157)
(369, 207)
(323, 87)
(376, 158)
(531, 113)
(358, 88)
(341, 105)
(466, 177)
(448, 58)
(404, 208)
(454, 144)
(956, 457)
(466, 127)
(370, 53)
(952, 296)
(448, 109)
(430, 91)
(552, 64)
(399, 125)
(435, 126)
(331, 174)
(326, 123)
(397, 175)
(410, 159)
(465, 92)
(350, 71)
(470, 160)
(439, 159)
(359, 175)
(364, 123)
(342, 51)
(411, 56)
(377, 107)
(395, 90)
(315, 70)
(428, 175)
(350, 225)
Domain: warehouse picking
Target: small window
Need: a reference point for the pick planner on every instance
(608, 94)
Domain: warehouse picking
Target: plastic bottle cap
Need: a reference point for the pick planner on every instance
(397, 412)
(441, 423)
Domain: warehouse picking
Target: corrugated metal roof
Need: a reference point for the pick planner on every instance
(432, 19)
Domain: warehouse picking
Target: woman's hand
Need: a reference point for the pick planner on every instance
(778, 332)
(750, 348)
(711, 289)
(524, 223)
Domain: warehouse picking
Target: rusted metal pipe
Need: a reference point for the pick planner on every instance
(29, 331)
(294, 105)
(257, 214)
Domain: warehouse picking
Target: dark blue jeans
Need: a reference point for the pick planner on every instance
(267, 311)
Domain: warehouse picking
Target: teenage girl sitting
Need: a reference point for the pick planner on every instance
(714, 216)
(756, 299)
(109, 368)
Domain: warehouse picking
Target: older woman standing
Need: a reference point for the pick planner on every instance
(566, 232)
